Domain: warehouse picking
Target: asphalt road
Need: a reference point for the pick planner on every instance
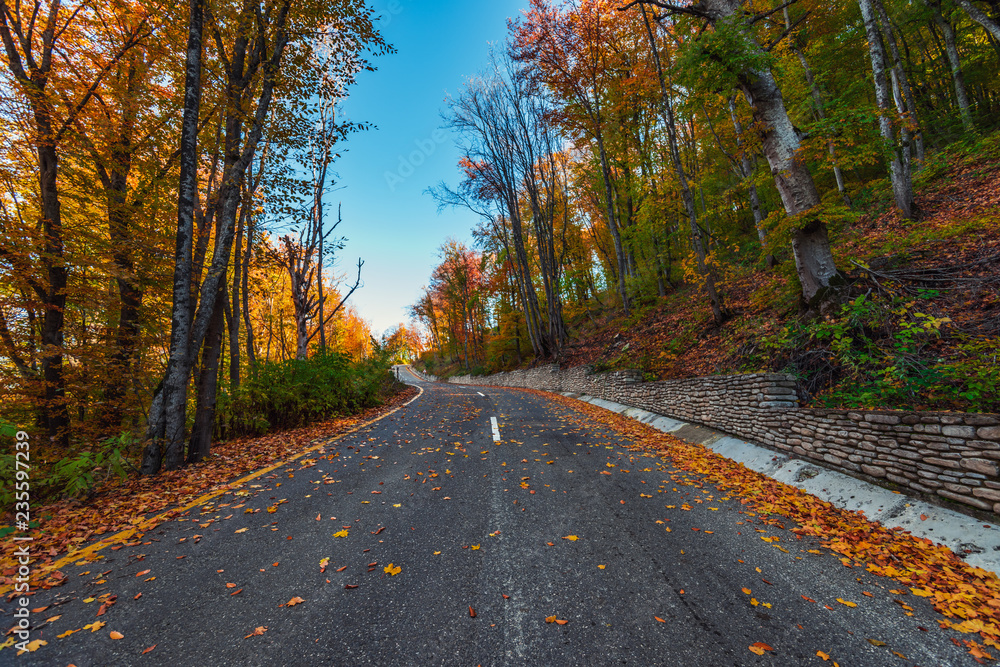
(474, 523)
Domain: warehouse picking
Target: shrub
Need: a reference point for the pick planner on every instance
(294, 393)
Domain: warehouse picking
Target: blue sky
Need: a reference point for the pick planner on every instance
(388, 219)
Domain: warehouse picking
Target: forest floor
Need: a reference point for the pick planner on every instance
(943, 269)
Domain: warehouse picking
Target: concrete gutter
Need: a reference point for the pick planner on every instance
(975, 541)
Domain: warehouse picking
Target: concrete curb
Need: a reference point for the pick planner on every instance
(976, 542)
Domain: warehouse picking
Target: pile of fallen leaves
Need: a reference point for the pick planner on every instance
(955, 589)
(70, 524)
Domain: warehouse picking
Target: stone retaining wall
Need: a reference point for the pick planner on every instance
(949, 454)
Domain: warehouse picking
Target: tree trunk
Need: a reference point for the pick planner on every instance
(907, 104)
(819, 105)
(234, 320)
(902, 185)
(957, 77)
(746, 168)
(810, 243)
(981, 18)
(168, 415)
(697, 242)
(208, 376)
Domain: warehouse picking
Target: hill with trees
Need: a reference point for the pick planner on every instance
(721, 187)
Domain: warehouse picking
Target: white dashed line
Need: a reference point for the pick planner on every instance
(496, 429)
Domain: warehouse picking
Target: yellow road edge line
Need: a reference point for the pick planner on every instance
(163, 517)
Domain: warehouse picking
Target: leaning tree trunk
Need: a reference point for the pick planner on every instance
(981, 18)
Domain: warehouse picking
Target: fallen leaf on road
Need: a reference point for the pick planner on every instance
(472, 612)
(350, 586)
(116, 635)
(759, 648)
(257, 632)
(875, 642)
(139, 574)
(825, 656)
(145, 651)
(243, 530)
(236, 592)
(95, 626)
(847, 603)
(550, 619)
(294, 601)
(341, 533)
(659, 619)
(571, 538)
(475, 547)
(746, 590)
(33, 646)
(392, 571)
(67, 633)
(230, 585)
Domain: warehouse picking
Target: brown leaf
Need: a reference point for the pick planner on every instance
(472, 612)
(257, 632)
(152, 647)
(294, 601)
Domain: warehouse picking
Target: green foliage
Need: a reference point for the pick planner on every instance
(295, 393)
(719, 56)
(73, 475)
(879, 352)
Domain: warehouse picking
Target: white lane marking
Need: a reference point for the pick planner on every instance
(496, 429)
(481, 394)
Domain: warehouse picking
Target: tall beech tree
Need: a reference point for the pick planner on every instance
(56, 96)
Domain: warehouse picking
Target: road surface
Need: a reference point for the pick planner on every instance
(472, 493)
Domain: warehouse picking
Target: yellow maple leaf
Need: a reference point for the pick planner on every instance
(33, 646)
(67, 633)
(847, 603)
(922, 592)
(94, 627)
(341, 533)
(392, 571)
(825, 656)
(571, 538)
